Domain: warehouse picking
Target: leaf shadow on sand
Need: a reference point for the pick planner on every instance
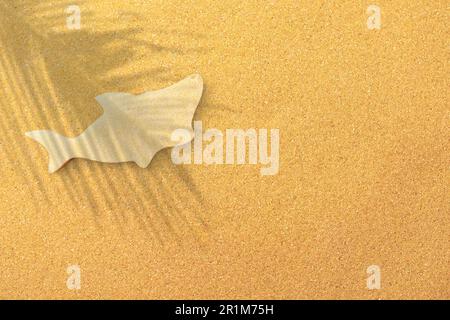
(57, 79)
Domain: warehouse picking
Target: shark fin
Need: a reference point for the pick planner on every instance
(56, 145)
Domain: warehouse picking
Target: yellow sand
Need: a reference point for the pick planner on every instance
(364, 121)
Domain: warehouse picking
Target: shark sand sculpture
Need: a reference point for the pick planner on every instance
(132, 128)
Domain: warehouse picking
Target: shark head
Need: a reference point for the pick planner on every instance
(190, 87)
(161, 111)
(194, 85)
(195, 79)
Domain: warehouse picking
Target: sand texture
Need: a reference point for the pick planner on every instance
(364, 151)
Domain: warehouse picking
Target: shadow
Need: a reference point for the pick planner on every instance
(49, 76)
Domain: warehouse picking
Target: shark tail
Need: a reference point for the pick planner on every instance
(58, 147)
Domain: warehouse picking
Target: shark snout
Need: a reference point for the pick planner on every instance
(196, 78)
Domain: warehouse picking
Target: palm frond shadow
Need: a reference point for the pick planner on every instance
(49, 76)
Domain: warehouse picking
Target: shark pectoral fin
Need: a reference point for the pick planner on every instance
(144, 161)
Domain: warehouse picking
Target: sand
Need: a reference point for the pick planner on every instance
(364, 151)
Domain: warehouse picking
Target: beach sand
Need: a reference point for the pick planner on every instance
(364, 153)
